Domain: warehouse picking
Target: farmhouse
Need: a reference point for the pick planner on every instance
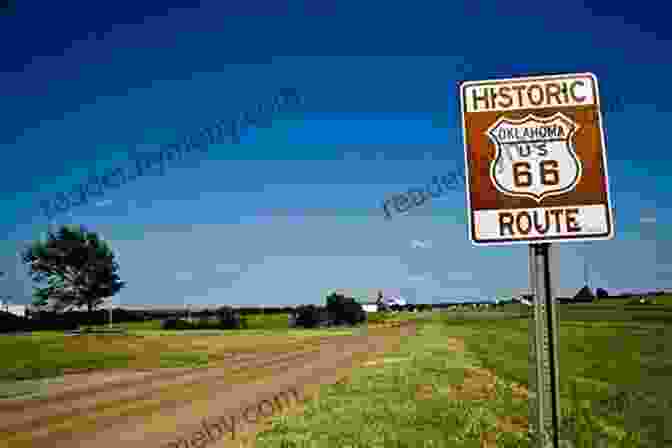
(563, 296)
(370, 307)
(17, 310)
(371, 300)
(584, 295)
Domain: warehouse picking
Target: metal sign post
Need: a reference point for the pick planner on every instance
(544, 373)
(536, 173)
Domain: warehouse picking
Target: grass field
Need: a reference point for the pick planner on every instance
(613, 377)
(659, 300)
(619, 368)
(31, 361)
(409, 398)
(48, 354)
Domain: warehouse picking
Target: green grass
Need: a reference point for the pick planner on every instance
(608, 371)
(602, 359)
(47, 354)
(663, 300)
(614, 365)
(659, 300)
(267, 321)
(254, 321)
(154, 324)
(378, 406)
(400, 316)
(44, 354)
(379, 317)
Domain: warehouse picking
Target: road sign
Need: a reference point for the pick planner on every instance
(535, 160)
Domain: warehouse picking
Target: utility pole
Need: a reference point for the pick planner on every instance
(5, 299)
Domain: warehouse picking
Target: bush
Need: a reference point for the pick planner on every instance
(226, 319)
(204, 322)
(641, 301)
(351, 313)
(345, 310)
(10, 322)
(50, 320)
(309, 316)
(229, 319)
(71, 320)
(176, 324)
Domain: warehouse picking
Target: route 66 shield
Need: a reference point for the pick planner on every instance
(535, 156)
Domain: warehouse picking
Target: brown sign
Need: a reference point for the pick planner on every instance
(535, 160)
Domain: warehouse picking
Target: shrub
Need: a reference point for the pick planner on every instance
(50, 320)
(641, 301)
(351, 313)
(204, 322)
(10, 322)
(230, 319)
(309, 316)
(176, 324)
(345, 310)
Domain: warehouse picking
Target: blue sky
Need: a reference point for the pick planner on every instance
(295, 210)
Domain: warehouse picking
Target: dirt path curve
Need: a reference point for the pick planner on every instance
(177, 400)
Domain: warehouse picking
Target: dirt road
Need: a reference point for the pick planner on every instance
(164, 408)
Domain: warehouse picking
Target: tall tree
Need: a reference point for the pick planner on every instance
(78, 266)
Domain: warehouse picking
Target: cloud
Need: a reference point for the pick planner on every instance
(227, 268)
(417, 244)
(459, 276)
(416, 278)
(183, 276)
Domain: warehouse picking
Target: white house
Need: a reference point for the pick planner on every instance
(394, 300)
(17, 310)
(370, 307)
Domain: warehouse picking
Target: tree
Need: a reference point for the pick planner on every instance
(382, 306)
(229, 318)
(345, 309)
(78, 266)
(308, 316)
(601, 293)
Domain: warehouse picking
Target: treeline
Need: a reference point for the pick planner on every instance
(71, 320)
(223, 318)
(339, 310)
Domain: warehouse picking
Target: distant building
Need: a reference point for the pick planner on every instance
(526, 299)
(370, 307)
(584, 295)
(17, 310)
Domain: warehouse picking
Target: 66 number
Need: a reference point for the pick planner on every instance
(522, 177)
